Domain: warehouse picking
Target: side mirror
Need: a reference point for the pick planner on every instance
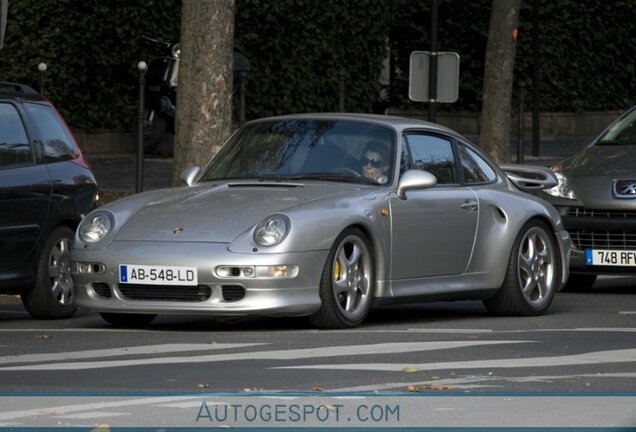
(415, 179)
(190, 174)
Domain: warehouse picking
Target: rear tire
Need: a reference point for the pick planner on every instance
(347, 282)
(579, 282)
(533, 275)
(51, 296)
(127, 320)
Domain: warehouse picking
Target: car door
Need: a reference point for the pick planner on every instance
(433, 230)
(24, 189)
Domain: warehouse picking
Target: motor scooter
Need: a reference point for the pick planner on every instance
(160, 92)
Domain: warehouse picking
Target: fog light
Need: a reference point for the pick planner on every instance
(90, 268)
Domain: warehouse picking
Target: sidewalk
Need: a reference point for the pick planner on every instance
(116, 173)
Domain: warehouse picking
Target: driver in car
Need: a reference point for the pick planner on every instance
(375, 162)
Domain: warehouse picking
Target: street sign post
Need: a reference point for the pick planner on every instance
(447, 77)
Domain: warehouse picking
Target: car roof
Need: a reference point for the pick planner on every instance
(393, 121)
(19, 91)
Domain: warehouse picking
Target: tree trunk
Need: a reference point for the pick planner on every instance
(204, 92)
(498, 73)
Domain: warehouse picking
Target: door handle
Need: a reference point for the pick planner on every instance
(470, 206)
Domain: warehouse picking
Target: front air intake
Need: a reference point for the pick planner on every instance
(232, 293)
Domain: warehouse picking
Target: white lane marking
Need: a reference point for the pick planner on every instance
(594, 357)
(340, 332)
(295, 354)
(472, 381)
(80, 330)
(123, 351)
(61, 410)
(441, 330)
(627, 312)
(92, 415)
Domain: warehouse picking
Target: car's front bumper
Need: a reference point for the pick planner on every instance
(102, 292)
(599, 229)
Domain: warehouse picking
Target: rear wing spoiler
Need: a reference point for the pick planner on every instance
(530, 177)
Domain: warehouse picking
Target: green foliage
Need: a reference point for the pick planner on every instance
(587, 51)
(302, 51)
(588, 54)
(91, 48)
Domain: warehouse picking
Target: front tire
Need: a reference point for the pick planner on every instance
(347, 282)
(533, 274)
(51, 296)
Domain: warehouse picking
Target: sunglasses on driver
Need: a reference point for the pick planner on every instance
(375, 163)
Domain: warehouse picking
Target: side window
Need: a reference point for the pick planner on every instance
(14, 144)
(57, 143)
(433, 154)
(474, 167)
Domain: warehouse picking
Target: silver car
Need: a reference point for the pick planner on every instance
(326, 216)
(596, 196)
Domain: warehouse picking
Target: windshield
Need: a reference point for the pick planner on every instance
(623, 132)
(305, 149)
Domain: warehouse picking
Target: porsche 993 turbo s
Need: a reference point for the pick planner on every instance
(327, 216)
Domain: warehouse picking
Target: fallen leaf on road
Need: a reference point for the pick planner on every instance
(438, 387)
(42, 336)
(316, 388)
(412, 388)
(410, 370)
(203, 385)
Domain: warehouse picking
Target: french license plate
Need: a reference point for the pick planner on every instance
(157, 275)
(607, 257)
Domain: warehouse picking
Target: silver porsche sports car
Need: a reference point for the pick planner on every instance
(326, 216)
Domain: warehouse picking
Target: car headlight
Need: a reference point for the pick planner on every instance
(272, 230)
(564, 188)
(95, 227)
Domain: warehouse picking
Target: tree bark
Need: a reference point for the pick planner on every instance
(498, 79)
(204, 92)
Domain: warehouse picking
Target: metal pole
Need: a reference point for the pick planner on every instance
(242, 89)
(536, 78)
(520, 146)
(341, 91)
(139, 177)
(432, 82)
(42, 69)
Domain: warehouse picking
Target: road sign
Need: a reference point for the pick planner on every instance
(447, 76)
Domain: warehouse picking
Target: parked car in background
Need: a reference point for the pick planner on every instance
(596, 197)
(46, 187)
(326, 215)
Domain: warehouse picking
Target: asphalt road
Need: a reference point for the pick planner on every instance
(584, 349)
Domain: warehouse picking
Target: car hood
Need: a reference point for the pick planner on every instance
(593, 171)
(218, 213)
(603, 160)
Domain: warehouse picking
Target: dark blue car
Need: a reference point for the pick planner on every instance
(46, 187)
